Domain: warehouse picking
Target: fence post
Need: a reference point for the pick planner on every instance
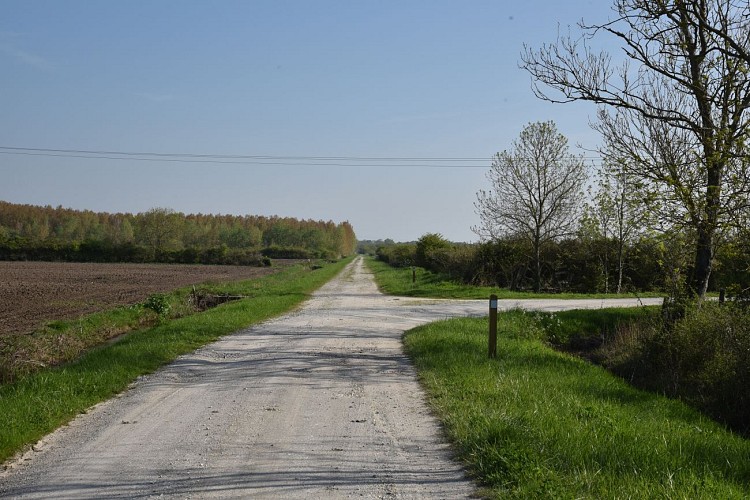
(493, 327)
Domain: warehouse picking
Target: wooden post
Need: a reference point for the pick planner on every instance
(493, 327)
(413, 274)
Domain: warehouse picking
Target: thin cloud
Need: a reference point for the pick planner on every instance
(27, 58)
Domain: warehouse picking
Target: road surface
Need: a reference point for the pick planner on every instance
(319, 403)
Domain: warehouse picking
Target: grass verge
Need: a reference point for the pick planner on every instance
(398, 281)
(537, 423)
(40, 402)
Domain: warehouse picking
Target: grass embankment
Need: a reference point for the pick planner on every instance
(40, 402)
(398, 281)
(538, 423)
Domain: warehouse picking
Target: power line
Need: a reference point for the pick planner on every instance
(271, 160)
(225, 162)
(253, 157)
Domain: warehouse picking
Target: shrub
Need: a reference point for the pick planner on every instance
(426, 246)
(699, 353)
(400, 255)
(710, 348)
(458, 262)
(158, 303)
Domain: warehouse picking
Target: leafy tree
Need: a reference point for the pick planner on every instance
(535, 191)
(159, 228)
(37, 229)
(125, 232)
(426, 245)
(679, 114)
(33, 232)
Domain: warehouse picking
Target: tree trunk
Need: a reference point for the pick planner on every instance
(703, 262)
(706, 230)
(620, 255)
(621, 234)
(537, 265)
(606, 267)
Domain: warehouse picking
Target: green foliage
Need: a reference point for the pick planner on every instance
(369, 247)
(697, 352)
(732, 267)
(568, 266)
(161, 235)
(536, 423)
(276, 252)
(584, 330)
(426, 248)
(398, 281)
(702, 357)
(159, 229)
(710, 350)
(158, 303)
(399, 255)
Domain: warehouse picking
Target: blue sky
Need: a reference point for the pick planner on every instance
(396, 79)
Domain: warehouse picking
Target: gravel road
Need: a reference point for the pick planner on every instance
(319, 403)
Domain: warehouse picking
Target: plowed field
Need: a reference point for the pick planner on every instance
(32, 293)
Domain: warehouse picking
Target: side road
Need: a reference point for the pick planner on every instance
(320, 403)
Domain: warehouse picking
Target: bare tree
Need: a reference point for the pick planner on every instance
(618, 211)
(681, 111)
(535, 191)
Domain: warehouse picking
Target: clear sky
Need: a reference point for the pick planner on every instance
(278, 78)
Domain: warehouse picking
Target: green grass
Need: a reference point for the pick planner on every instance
(583, 330)
(537, 423)
(398, 281)
(40, 402)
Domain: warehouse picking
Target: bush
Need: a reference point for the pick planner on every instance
(699, 353)
(158, 303)
(457, 262)
(400, 255)
(710, 349)
(425, 247)
(503, 263)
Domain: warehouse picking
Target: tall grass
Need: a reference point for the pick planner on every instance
(537, 423)
(42, 401)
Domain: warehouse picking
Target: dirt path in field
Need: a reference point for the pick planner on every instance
(320, 403)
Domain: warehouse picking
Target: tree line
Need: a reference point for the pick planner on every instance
(29, 232)
(586, 262)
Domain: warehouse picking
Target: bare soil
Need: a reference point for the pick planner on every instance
(32, 293)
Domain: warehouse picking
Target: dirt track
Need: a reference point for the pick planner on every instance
(321, 403)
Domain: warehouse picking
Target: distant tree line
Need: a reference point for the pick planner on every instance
(30, 232)
(585, 263)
